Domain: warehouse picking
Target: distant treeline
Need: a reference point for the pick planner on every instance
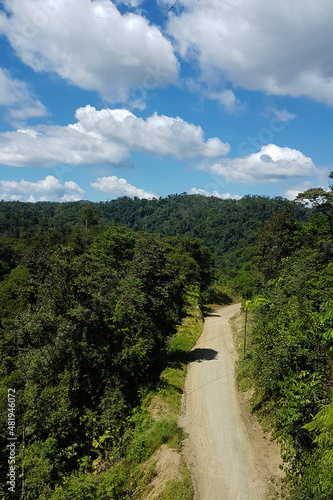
(223, 225)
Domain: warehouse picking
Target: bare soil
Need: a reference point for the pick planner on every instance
(168, 466)
(229, 456)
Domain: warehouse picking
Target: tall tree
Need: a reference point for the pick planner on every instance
(275, 242)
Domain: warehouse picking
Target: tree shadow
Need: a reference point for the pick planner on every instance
(207, 311)
(178, 358)
(221, 300)
(199, 355)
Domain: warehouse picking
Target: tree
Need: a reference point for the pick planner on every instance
(320, 199)
(275, 242)
(90, 216)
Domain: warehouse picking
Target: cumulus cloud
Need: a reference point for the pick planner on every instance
(19, 100)
(116, 186)
(215, 194)
(90, 44)
(107, 137)
(48, 189)
(282, 49)
(158, 135)
(271, 164)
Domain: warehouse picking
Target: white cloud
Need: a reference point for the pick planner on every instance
(19, 100)
(158, 135)
(283, 115)
(271, 164)
(227, 99)
(280, 48)
(120, 187)
(52, 145)
(48, 189)
(215, 194)
(291, 194)
(90, 44)
(107, 137)
(293, 191)
(130, 3)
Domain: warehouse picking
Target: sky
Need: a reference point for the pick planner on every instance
(101, 99)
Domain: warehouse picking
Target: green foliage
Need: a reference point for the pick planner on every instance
(89, 215)
(225, 226)
(322, 200)
(108, 485)
(322, 426)
(326, 317)
(275, 242)
(315, 480)
(318, 470)
(290, 358)
(115, 246)
(85, 330)
(8, 256)
(39, 468)
(217, 294)
(16, 290)
(150, 435)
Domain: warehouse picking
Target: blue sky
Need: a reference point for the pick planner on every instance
(101, 99)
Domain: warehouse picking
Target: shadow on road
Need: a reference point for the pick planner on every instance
(177, 358)
(201, 355)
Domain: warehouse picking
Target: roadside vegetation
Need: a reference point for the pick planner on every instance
(288, 359)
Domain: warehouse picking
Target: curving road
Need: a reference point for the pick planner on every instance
(218, 451)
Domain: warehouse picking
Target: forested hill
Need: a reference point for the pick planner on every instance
(223, 225)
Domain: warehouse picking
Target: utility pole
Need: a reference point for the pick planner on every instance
(246, 305)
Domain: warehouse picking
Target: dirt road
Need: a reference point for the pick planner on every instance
(223, 461)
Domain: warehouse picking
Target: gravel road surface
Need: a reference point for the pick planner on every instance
(219, 452)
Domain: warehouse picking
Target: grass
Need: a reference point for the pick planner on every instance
(150, 434)
(172, 378)
(142, 478)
